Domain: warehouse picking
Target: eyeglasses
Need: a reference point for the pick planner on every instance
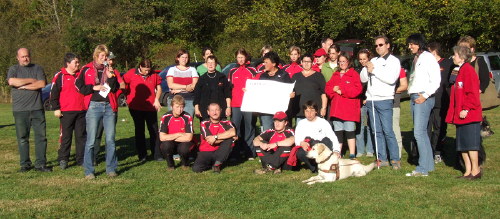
(379, 45)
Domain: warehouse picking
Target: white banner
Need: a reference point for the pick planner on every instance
(266, 96)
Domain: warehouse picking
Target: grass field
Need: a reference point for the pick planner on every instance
(148, 190)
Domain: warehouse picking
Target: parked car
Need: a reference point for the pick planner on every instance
(46, 97)
(493, 61)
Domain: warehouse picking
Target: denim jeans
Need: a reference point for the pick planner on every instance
(266, 122)
(97, 112)
(382, 129)
(24, 121)
(364, 132)
(396, 114)
(420, 114)
(245, 139)
(188, 106)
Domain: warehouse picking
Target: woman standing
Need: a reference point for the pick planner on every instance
(143, 96)
(465, 112)
(182, 79)
(212, 87)
(344, 89)
(237, 77)
(309, 86)
(294, 67)
(364, 56)
(203, 68)
(98, 83)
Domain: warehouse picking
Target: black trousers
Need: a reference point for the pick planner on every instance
(151, 120)
(72, 121)
(310, 163)
(275, 159)
(169, 148)
(206, 159)
(436, 129)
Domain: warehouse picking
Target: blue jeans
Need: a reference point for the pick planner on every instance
(97, 112)
(360, 137)
(188, 106)
(245, 140)
(382, 129)
(266, 122)
(420, 114)
(24, 121)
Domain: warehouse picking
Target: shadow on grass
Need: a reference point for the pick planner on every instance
(3, 126)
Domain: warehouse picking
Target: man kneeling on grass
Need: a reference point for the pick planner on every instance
(273, 146)
(217, 137)
(176, 133)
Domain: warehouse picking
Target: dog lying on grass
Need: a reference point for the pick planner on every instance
(331, 168)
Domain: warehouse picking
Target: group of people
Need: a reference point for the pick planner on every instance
(333, 102)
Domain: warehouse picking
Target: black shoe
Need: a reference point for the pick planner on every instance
(63, 164)
(160, 159)
(25, 169)
(43, 169)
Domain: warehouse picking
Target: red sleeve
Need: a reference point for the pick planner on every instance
(126, 76)
(402, 73)
(329, 87)
(158, 79)
(471, 89)
(119, 78)
(353, 89)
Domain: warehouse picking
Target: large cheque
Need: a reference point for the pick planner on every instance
(265, 96)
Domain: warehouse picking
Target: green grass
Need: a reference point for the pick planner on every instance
(148, 190)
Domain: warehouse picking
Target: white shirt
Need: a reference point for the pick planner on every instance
(426, 75)
(384, 77)
(317, 130)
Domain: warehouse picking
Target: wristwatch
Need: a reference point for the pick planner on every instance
(216, 137)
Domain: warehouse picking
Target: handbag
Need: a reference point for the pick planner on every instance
(489, 98)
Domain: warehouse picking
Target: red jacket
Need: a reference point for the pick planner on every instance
(293, 68)
(465, 96)
(89, 79)
(64, 94)
(345, 106)
(238, 77)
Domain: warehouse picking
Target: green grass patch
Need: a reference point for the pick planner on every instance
(149, 191)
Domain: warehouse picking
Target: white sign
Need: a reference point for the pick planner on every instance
(266, 96)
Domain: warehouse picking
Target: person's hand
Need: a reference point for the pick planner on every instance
(292, 95)
(364, 102)
(110, 73)
(463, 114)
(97, 87)
(369, 67)
(420, 99)
(228, 111)
(157, 105)
(336, 88)
(210, 139)
(197, 112)
(189, 88)
(336, 154)
(58, 114)
(322, 112)
(304, 145)
(244, 90)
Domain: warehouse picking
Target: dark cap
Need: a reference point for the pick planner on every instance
(280, 116)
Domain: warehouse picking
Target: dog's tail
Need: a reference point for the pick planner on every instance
(369, 167)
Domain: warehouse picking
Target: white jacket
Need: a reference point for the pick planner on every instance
(317, 130)
(385, 74)
(426, 75)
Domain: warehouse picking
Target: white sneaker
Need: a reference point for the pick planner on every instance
(415, 173)
(369, 154)
(437, 159)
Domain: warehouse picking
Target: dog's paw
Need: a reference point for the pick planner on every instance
(311, 183)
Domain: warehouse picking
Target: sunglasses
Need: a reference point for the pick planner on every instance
(379, 45)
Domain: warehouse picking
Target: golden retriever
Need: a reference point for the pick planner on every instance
(331, 168)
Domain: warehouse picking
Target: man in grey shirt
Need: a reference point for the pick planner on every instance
(26, 81)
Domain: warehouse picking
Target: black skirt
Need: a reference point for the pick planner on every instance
(468, 137)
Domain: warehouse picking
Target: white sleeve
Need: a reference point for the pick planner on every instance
(331, 135)
(299, 133)
(434, 76)
(364, 75)
(194, 73)
(389, 72)
(170, 72)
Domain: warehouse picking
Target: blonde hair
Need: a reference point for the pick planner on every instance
(467, 39)
(99, 49)
(295, 48)
(178, 99)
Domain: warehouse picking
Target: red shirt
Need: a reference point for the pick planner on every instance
(293, 68)
(141, 89)
(238, 78)
(208, 128)
(465, 96)
(345, 106)
(171, 125)
(272, 136)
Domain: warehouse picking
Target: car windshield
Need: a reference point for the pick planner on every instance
(494, 62)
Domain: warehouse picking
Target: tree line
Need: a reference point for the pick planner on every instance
(156, 29)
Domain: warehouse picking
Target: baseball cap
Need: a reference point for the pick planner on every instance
(320, 52)
(279, 116)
